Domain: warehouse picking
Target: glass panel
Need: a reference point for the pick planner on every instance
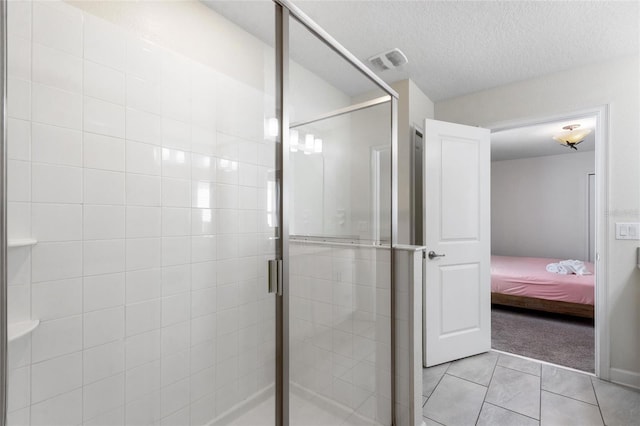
(340, 325)
(141, 166)
(341, 181)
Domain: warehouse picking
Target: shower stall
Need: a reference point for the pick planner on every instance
(197, 218)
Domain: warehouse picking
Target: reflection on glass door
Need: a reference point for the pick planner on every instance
(339, 239)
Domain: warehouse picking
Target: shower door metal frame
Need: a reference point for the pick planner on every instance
(285, 10)
(3, 214)
(282, 245)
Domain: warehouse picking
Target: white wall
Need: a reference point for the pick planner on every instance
(539, 206)
(615, 83)
(413, 107)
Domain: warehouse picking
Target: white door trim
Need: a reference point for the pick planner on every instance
(601, 114)
(590, 215)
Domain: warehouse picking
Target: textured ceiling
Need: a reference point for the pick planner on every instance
(537, 141)
(457, 47)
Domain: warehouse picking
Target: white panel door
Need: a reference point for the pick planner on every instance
(457, 227)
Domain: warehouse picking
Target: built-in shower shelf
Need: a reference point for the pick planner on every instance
(22, 242)
(19, 329)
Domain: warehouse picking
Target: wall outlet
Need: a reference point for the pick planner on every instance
(627, 231)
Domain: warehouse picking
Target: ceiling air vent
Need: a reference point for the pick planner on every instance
(388, 60)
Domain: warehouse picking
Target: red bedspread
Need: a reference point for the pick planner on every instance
(527, 276)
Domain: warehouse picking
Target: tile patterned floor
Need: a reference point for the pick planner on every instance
(495, 389)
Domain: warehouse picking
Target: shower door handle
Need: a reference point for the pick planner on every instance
(275, 277)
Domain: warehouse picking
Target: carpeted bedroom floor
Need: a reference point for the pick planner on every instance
(558, 339)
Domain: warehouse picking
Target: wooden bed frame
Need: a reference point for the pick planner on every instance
(555, 306)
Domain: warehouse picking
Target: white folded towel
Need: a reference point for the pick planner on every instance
(570, 266)
(557, 268)
(575, 266)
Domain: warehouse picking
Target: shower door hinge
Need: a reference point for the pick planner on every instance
(275, 276)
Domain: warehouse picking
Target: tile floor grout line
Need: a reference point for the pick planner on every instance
(540, 397)
(484, 399)
(512, 411)
(597, 401)
(436, 386)
(425, 417)
(570, 397)
(466, 380)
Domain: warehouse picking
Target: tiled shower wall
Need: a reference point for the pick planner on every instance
(340, 327)
(142, 174)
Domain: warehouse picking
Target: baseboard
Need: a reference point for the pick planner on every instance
(625, 377)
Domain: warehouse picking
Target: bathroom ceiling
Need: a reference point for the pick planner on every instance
(537, 140)
(456, 47)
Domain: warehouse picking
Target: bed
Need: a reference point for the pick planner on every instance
(524, 282)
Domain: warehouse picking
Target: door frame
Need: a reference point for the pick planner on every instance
(601, 133)
(590, 216)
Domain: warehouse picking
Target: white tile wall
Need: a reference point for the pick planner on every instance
(54, 106)
(103, 152)
(103, 118)
(54, 261)
(19, 56)
(104, 43)
(57, 26)
(104, 83)
(62, 410)
(53, 67)
(103, 291)
(56, 376)
(56, 145)
(143, 176)
(19, 139)
(57, 337)
(103, 326)
(56, 184)
(104, 187)
(56, 299)
(103, 361)
(19, 103)
(19, 172)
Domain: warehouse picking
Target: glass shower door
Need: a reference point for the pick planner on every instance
(339, 239)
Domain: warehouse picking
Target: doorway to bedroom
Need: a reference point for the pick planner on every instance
(543, 245)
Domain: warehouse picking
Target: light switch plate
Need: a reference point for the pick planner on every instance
(627, 231)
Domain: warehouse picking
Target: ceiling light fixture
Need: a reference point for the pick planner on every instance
(571, 136)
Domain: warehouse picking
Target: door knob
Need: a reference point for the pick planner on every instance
(432, 255)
